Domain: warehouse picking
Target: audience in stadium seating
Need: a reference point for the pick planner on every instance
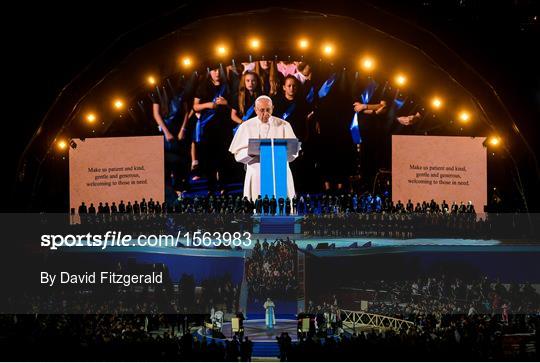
(460, 338)
(455, 318)
(271, 269)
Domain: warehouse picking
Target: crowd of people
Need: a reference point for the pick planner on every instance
(324, 215)
(114, 337)
(271, 270)
(402, 225)
(463, 338)
(186, 214)
(318, 204)
(440, 295)
(452, 317)
(135, 337)
(220, 204)
(456, 296)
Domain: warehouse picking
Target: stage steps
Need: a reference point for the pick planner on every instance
(276, 225)
(266, 349)
(264, 359)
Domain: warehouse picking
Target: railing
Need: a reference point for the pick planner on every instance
(354, 319)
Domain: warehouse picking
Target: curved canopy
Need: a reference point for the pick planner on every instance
(156, 48)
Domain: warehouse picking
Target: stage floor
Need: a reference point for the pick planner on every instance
(257, 332)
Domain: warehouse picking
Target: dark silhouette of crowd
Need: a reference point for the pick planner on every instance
(186, 214)
(324, 215)
(453, 319)
(271, 269)
(111, 337)
(460, 338)
(218, 293)
(378, 217)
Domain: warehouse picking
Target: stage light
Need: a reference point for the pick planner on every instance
(186, 62)
(303, 43)
(254, 43)
(494, 140)
(91, 118)
(221, 50)
(61, 144)
(367, 64)
(151, 80)
(118, 104)
(436, 102)
(464, 116)
(328, 49)
(400, 80)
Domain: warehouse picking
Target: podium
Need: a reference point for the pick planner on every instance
(274, 155)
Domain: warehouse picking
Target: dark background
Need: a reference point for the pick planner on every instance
(47, 44)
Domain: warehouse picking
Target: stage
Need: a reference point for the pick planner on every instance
(257, 331)
(264, 340)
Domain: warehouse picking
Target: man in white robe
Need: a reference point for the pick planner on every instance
(264, 126)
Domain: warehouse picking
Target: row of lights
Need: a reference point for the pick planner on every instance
(367, 63)
(492, 140)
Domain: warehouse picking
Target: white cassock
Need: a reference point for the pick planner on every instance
(254, 128)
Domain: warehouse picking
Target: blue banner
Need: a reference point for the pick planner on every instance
(327, 86)
(207, 115)
(288, 111)
(355, 130)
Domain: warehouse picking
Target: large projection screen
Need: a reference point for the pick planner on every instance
(116, 168)
(451, 168)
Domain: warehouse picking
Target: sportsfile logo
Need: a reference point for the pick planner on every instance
(109, 239)
(119, 239)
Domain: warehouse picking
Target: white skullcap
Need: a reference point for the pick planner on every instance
(263, 97)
